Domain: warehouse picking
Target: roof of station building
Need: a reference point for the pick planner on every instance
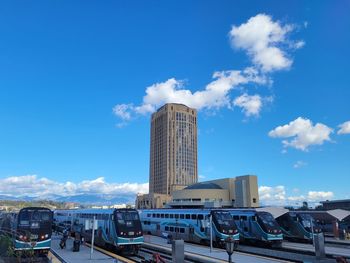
(203, 185)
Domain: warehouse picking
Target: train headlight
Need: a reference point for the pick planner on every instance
(42, 237)
(20, 237)
(46, 236)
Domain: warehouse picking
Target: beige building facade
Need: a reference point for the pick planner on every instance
(173, 154)
(241, 191)
(173, 149)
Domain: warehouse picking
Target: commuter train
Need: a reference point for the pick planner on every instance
(191, 225)
(29, 229)
(118, 229)
(257, 227)
(298, 226)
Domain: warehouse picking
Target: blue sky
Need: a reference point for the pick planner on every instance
(64, 67)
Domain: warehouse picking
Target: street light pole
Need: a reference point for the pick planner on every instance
(230, 246)
(211, 232)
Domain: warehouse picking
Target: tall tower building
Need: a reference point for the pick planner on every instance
(173, 160)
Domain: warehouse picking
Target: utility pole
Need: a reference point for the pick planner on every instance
(93, 237)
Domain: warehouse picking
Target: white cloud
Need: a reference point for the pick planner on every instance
(277, 196)
(299, 164)
(123, 111)
(302, 133)
(265, 41)
(319, 196)
(34, 186)
(214, 96)
(344, 128)
(272, 195)
(251, 104)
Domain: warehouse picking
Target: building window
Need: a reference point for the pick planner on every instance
(254, 200)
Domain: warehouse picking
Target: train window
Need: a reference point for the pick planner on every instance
(166, 215)
(188, 216)
(244, 218)
(235, 217)
(253, 218)
(176, 229)
(171, 229)
(182, 230)
(200, 217)
(153, 215)
(193, 216)
(171, 216)
(166, 228)
(176, 216)
(182, 216)
(162, 215)
(158, 215)
(148, 215)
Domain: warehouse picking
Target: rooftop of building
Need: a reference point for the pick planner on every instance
(203, 185)
(335, 201)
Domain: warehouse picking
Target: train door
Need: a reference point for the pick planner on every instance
(244, 225)
(158, 231)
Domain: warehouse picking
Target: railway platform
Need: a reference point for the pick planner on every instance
(217, 255)
(67, 255)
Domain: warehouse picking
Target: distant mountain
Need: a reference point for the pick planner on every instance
(92, 199)
(98, 199)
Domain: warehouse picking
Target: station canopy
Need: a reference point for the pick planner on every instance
(339, 214)
(274, 211)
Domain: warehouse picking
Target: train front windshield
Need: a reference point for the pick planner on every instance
(309, 223)
(224, 222)
(33, 217)
(128, 223)
(268, 223)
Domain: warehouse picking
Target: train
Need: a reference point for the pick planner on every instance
(117, 229)
(298, 226)
(29, 229)
(191, 225)
(257, 227)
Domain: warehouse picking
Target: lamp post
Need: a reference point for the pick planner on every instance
(230, 246)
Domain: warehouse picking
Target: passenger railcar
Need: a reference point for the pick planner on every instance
(298, 226)
(191, 225)
(115, 228)
(257, 227)
(29, 229)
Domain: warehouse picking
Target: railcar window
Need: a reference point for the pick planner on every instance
(158, 215)
(200, 217)
(193, 216)
(182, 216)
(235, 217)
(176, 229)
(171, 216)
(166, 228)
(188, 216)
(148, 215)
(162, 215)
(35, 215)
(45, 216)
(176, 216)
(244, 218)
(171, 229)
(166, 215)
(182, 230)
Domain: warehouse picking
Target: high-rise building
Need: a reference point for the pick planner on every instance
(173, 160)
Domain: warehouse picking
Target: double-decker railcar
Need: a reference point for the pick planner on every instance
(29, 229)
(191, 225)
(257, 227)
(114, 228)
(298, 226)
